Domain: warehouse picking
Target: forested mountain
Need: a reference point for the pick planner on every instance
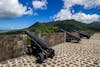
(51, 27)
(68, 25)
(95, 26)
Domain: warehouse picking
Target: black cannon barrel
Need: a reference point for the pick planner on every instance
(84, 33)
(41, 42)
(68, 33)
(77, 37)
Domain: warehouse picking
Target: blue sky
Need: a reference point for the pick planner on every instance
(18, 14)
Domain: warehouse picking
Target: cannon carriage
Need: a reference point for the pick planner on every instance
(39, 48)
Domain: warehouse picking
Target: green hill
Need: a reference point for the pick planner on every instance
(68, 25)
(2, 31)
(51, 27)
(95, 26)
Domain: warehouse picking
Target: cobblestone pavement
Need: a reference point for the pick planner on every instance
(83, 54)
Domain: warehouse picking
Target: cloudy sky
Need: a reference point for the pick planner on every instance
(17, 14)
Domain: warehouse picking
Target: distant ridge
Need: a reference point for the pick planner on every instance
(95, 26)
(68, 25)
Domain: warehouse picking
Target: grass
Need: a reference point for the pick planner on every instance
(3, 31)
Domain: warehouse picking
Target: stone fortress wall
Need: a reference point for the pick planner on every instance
(12, 46)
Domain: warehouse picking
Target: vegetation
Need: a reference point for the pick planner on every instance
(51, 27)
(12, 32)
(68, 25)
(43, 28)
(95, 26)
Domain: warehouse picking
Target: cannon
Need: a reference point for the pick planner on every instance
(39, 48)
(70, 37)
(85, 34)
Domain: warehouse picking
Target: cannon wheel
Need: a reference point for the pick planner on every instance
(29, 51)
(68, 40)
(52, 53)
(40, 58)
(88, 37)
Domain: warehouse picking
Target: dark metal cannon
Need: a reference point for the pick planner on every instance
(39, 48)
(85, 34)
(71, 37)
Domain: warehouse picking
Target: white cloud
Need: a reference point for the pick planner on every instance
(12, 9)
(30, 11)
(85, 3)
(86, 18)
(37, 4)
(63, 15)
(65, 12)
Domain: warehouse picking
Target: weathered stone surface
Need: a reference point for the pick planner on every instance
(54, 38)
(11, 46)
